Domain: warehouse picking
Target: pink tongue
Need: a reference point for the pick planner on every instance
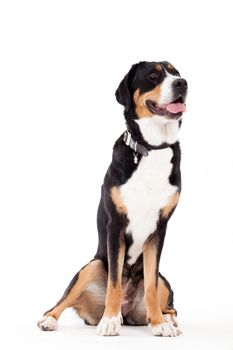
(176, 107)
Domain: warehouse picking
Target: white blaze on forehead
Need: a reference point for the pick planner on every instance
(166, 91)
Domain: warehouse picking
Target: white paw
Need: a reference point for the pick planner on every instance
(173, 321)
(47, 323)
(166, 329)
(109, 326)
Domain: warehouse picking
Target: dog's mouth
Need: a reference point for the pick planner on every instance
(173, 109)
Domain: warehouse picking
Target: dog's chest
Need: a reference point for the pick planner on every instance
(144, 195)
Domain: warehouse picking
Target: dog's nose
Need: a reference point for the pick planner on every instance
(180, 85)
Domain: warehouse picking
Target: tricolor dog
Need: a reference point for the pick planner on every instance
(122, 284)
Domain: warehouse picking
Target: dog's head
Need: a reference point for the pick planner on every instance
(153, 89)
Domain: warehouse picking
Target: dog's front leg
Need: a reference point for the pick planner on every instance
(151, 255)
(111, 321)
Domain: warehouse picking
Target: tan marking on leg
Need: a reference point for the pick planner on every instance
(140, 101)
(171, 312)
(151, 297)
(158, 67)
(163, 298)
(171, 205)
(114, 291)
(163, 294)
(86, 275)
(117, 200)
(90, 305)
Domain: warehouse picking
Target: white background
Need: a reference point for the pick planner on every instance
(60, 64)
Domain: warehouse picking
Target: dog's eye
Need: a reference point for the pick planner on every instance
(153, 76)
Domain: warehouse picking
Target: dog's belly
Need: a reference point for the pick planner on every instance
(144, 195)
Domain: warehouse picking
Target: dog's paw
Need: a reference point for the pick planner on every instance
(166, 329)
(173, 321)
(47, 323)
(109, 326)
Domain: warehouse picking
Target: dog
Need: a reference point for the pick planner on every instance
(141, 189)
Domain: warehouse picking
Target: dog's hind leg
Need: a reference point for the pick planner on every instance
(167, 302)
(166, 296)
(82, 294)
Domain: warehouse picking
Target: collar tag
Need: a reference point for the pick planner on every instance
(135, 158)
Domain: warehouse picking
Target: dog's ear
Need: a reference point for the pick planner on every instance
(123, 93)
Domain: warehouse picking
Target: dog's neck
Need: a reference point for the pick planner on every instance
(157, 131)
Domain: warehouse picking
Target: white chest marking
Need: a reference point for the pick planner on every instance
(145, 194)
(157, 130)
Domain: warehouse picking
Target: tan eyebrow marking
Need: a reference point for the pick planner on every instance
(158, 67)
